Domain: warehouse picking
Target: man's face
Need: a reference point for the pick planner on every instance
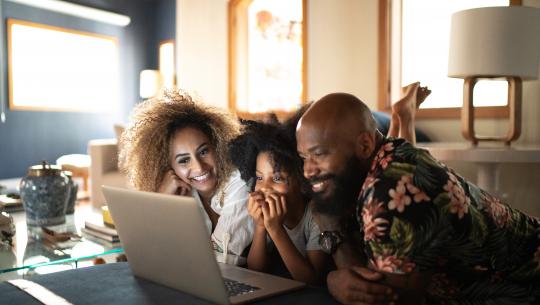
(331, 167)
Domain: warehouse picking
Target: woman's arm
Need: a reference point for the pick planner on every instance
(234, 228)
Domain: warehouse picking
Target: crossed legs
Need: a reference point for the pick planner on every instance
(402, 122)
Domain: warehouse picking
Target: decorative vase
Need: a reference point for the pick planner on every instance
(45, 192)
(72, 198)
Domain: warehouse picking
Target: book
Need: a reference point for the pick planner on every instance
(100, 235)
(11, 203)
(105, 243)
(100, 228)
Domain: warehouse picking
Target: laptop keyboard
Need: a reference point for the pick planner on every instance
(235, 288)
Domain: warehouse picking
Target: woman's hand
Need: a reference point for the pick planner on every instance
(173, 185)
(256, 199)
(274, 210)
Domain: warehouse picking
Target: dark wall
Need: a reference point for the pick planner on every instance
(30, 136)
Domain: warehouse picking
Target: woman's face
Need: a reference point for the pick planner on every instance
(269, 181)
(193, 159)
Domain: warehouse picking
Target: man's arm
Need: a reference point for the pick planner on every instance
(353, 283)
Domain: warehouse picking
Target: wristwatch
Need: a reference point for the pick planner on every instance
(330, 241)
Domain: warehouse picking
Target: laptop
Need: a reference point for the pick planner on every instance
(166, 241)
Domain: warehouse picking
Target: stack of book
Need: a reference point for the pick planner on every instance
(101, 232)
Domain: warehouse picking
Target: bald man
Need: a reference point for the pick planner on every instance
(401, 226)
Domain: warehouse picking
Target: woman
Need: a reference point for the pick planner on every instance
(175, 145)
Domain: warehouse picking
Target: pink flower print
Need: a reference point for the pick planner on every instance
(499, 213)
(417, 194)
(384, 162)
(380, 154)
(399, 198)
(385, 148)
(373, 226)
(459, 202)
(393, 264)
(369, 182)
(384, 264)
(388, 146)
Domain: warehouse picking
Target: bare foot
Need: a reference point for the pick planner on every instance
(421, 95)
(405, 108)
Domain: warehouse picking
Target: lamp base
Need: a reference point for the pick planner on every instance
(514, 105)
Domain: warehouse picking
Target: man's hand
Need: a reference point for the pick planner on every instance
(255, 210)
(173, 185)
(358, 285)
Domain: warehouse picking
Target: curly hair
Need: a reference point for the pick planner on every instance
(145, 144)
(259, 137)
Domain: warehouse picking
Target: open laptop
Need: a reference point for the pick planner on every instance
(166, 241)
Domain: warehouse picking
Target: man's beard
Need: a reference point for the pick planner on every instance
(347, 186)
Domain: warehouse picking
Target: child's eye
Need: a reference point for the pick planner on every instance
(278, 179)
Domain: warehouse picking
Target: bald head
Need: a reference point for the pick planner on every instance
(336, 138)
(340, 112)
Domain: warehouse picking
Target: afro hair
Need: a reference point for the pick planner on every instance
(273, 138)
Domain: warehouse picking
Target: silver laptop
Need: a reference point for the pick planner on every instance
(166, 241)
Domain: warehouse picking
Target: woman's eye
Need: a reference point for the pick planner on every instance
(204, 151)
(258, 178)
(183, 161)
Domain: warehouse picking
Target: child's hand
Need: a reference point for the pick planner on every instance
(274, 210)
(173, 185)
(256, 199)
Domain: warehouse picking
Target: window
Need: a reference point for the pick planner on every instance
(166, 63)
(57, 69)
(266, 55)
(415, 43)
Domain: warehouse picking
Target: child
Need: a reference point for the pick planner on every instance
(267, 160)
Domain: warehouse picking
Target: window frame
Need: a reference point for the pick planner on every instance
(385, 69)
(16, 21)
(233, 73)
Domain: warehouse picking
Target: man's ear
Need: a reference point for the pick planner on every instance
(365, 144)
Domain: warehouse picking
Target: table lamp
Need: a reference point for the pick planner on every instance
(494, 43)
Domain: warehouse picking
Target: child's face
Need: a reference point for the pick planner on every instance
(267, 180)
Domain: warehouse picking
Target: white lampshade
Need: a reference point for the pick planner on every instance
(150, 82)
(495, 41)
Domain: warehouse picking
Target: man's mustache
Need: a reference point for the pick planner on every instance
(322, 178)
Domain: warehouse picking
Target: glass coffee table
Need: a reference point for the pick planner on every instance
(31, 253)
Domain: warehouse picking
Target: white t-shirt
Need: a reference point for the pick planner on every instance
(234, 229)
(305, 235)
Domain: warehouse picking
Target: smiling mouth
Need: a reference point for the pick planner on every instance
(201, 178)
(319, 186)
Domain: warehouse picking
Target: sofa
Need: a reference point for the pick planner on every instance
(104, 168)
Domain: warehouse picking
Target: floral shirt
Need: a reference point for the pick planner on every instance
(417, 215)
